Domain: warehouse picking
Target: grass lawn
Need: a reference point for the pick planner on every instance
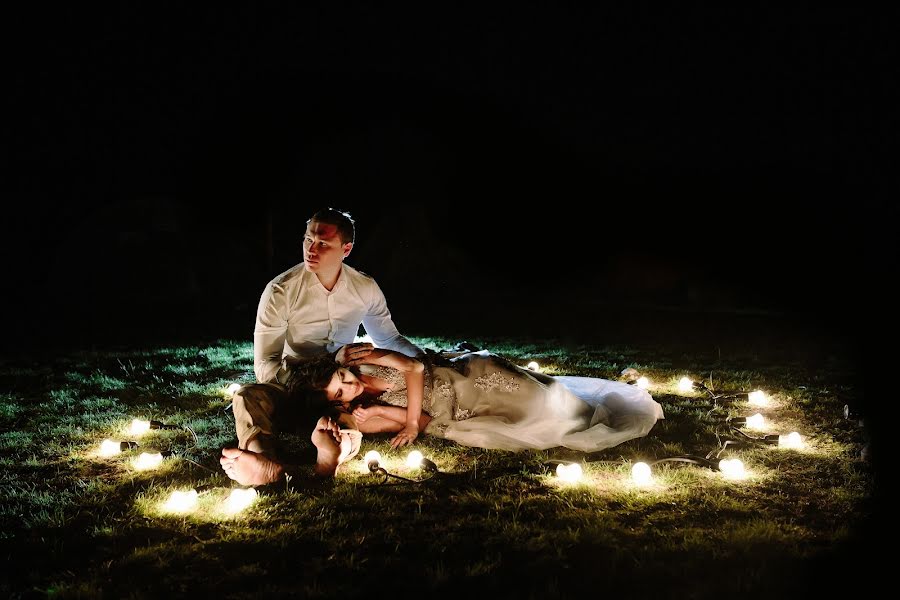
(490, 524)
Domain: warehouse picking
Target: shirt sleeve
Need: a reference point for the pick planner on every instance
(269, 335)
(381, 328)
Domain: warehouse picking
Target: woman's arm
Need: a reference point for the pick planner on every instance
(414, 373)
(396, 415)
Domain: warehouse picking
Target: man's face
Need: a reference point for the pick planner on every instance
(323, 250)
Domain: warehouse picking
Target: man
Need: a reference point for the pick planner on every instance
(318, 305)
(314, 307)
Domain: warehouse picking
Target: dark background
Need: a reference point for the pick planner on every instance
(530, 170)
(664, 176)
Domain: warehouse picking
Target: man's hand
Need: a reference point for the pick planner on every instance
(353, 354)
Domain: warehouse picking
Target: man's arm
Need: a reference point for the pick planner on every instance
(381, 328)
(269, 335)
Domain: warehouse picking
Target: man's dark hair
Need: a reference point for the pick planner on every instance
(339, 218)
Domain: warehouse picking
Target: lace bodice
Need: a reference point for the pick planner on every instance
(396, 396)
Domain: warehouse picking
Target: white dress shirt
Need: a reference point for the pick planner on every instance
(297, 317)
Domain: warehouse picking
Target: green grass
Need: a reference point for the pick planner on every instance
(493, 523)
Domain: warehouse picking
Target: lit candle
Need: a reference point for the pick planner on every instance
(685, 385)
(231, 389)
(643, 383)
(534, 366)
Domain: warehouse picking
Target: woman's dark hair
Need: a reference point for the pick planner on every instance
(307, 380)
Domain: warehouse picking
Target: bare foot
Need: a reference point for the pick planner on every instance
(249, 468)
(326, 437)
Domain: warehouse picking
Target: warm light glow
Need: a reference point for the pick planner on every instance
(147, 461)
(640, 473)
(414, 459)
(757, 421)
(685, 385)
(372, 456)
(643, 383)
(758, 398)
(240, 499)
(791, 440)
(534, 366)
(139, 427)
(733, 468)
(569, 473)
(181, 501)
(110, 448)
(231, 389)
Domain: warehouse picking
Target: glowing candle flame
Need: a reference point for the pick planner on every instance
(643, 383)
(640, 473)
(534, 366)
(231, 389)
(685, 384)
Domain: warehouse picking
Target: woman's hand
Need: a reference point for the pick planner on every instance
(363, 414)
(406, 436)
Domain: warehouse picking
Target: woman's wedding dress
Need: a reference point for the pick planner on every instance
(482, 400)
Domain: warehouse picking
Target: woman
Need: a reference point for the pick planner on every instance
(479, 399)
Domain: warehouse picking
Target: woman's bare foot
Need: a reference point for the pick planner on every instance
(249, 468)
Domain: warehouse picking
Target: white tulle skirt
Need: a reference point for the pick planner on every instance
(487, 402)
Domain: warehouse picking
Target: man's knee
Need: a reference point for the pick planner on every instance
(257, 399)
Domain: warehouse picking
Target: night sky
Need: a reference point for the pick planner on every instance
(501, 163)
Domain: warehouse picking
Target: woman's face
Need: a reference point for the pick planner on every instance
(344, 386)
